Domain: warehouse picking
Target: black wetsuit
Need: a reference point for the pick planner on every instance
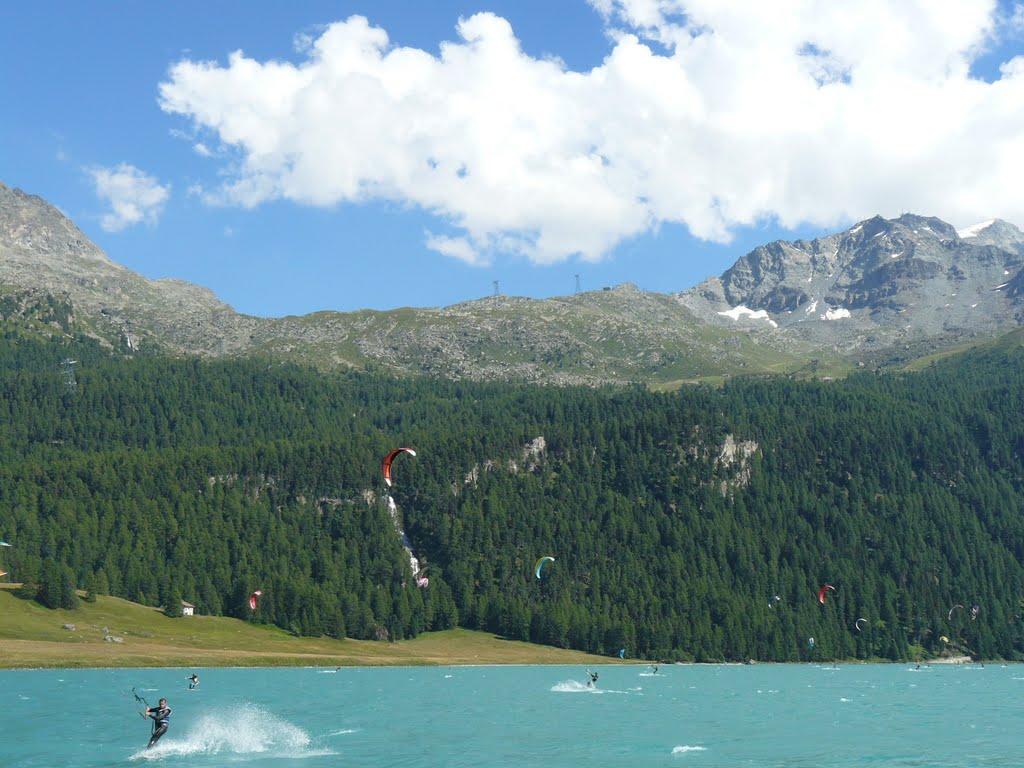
(160, 716)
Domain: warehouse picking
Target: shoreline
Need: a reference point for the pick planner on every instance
(408, 663)
(448, 648)
(36, 638)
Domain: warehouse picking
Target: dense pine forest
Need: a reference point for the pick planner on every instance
(674, 519)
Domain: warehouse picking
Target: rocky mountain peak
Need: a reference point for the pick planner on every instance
(996, 232)
(924, 226)
(30, 223)
(881, 282)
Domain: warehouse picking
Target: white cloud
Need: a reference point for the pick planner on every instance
(133, 196)
(457, 248)
(709, 114)
(1016, 20)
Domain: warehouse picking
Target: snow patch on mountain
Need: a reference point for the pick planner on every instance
(737, 312)
(974, 229)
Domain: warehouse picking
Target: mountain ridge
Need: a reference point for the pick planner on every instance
(876, 293)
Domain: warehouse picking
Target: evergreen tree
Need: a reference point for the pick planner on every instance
(673, 517)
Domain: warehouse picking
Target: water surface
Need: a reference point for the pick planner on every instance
(887, 716)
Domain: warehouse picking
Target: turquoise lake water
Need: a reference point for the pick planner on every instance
(702, 716)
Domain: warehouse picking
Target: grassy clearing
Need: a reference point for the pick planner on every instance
(32, 636)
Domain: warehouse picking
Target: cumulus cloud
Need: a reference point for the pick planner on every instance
(133, 196)
(1016, 19)
(457, 248)
(708, 114)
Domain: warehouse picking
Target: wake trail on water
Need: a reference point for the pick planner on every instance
(245, 730)
(683, 749)
(573, 686)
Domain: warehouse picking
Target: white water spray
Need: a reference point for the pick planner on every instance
(246, 730)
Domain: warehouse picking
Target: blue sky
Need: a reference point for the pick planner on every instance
(415, 158)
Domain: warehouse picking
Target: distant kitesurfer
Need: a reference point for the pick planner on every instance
(654, 669)
(593, 679)
(160, 714)
(193, 681)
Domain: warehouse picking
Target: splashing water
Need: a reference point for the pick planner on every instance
(247, 730)
(681, 750)
(573, 686)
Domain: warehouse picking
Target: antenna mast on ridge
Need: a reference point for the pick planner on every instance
(577, 282)
(496, 291)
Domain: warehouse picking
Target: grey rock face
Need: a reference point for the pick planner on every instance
(41, 249)
(881, 284)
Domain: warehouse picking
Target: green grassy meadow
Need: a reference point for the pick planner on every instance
(32, 636)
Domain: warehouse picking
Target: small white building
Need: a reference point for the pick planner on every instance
(187, 609)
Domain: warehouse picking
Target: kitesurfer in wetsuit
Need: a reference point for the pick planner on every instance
(193, 681)
(160, 715)
(593, 678)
